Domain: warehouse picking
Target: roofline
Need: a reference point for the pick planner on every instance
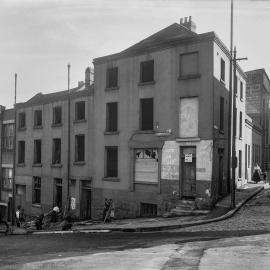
(168, 44)
(260, 70)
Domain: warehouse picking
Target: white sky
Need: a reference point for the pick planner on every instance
(38, 38)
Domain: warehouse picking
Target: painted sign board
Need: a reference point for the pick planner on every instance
(188, 157)
(73, 203)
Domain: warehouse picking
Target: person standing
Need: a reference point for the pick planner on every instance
(18, 216)
(256, 173)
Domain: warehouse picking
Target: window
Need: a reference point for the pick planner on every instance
(38, 118)
(37, 151)
(111, 114)
(147, 114)
(21, 121)
(112, 77)
(8, 135)
(111, 161)
(241, 90)
(253, 153)
(80, 110)
(21, 152)
(222, 70)
(36, 190)
(189, 64)
(240, 164)
(79, 148)
(146, 165)
(248, 156)
(236, 85)
(56, 155)
(57, 115)
(147, 71)
(240, 125)
(221, 114)
(6, 178)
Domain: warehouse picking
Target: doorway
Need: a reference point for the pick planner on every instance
(86, 195)
(188, 176)
(58, 192)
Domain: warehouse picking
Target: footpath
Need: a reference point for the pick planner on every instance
(221, 211)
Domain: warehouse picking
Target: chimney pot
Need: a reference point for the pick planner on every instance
(188, 23)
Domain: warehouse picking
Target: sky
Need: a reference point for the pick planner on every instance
(38, 38)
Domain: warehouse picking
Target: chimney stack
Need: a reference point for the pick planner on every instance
(188, 23)
(87, 77)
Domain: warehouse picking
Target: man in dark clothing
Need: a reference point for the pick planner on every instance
(106, 208)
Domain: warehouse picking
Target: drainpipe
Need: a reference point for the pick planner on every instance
(68, 156)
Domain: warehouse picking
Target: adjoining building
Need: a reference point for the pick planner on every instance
(257, 107)
(161, 123)
(43, 162)
(6, 156)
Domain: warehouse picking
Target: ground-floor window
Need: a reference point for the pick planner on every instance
(36, 199)
(6, 178)
(146, 165)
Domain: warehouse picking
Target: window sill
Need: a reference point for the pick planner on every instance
(145, 132)
(21, 128)
(36, 205)
(192, 139)
(189, 77)
(111, 179)
(79, 163)
(58, 165)
(21, 165)
(146, 183)
(146, 83)
(114, 88)
(57, 125)
(241, 138)
(111, 132)
(37, 165)
(79, 121)
(37, 127)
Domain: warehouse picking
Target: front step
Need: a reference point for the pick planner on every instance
(179, 213)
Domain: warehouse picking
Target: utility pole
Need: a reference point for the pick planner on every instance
(14, 154)
(234, 157)
(68, 155)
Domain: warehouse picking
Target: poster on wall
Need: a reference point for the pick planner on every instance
(188, 157)
(73, 203)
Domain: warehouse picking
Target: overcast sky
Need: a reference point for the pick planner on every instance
(38, 38)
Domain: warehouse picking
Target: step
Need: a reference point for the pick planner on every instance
(189, 212)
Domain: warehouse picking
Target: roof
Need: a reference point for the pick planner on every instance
(40, 98)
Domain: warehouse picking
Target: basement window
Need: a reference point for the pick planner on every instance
(79, 148)
(37, 151)
(148, 210)
(80, 110)
(38, 118)
(57, 115)
(147, 71)
(56, 155)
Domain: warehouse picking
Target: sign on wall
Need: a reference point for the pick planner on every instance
(73, 203)
(188, 157)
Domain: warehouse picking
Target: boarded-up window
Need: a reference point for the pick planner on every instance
(57, 115)
(111, 115)
(188, 117)
(36, 190)
(146, 165)
(79, 148)
(21, 152)
(147, 113)
(112, 77)
(37, 152)
(56, 154)
(111, 161)
(222, 70)
(38, 118)
(189, 64)
(147, 71)
(80, 110)
(21, 120)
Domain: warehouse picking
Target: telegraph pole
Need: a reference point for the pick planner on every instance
(14, 154)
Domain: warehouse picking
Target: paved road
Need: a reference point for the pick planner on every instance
(159, 250)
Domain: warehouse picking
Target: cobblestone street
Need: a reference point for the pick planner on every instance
(255, 215)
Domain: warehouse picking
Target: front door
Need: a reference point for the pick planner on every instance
(86, 203)
(188, 175)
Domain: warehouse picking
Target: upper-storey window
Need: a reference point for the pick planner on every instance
(147, 71)
(37, 151)
(38, 118)
(57, 115)
(241, 90)
(111, 117)
(222, 70)
(189, 65)
(147, 114)
(80, 110)
(8, 135)
(22, 121)
(112, 77)
(221, 114)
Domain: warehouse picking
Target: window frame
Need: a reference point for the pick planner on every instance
(222, 70)
(221, 113)
(109, 80)
(21, 161)
(36, 187)
(191, 75)
(36, 118)
(54, 122)
(142, 72)
(54, 151)
(77, 108)
(35, 160)
(76, 157)
(20, 126)
(142, 128)
(111, 126)
(107, 174)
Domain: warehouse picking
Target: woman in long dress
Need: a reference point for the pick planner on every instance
(256, 173)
